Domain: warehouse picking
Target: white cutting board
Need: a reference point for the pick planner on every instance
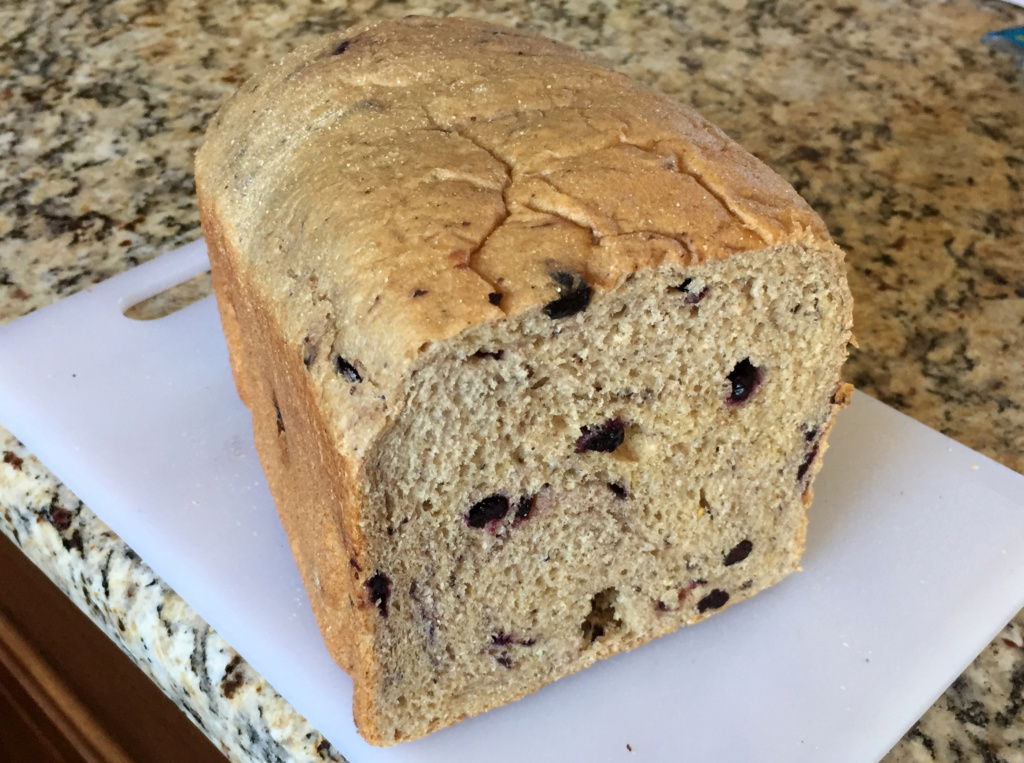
(915, 559)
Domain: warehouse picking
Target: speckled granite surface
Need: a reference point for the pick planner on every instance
(892, 119)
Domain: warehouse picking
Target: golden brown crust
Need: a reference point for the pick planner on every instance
(307, 477)
(367, 197)
(577, 164)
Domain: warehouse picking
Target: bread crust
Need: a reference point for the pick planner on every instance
(391, 186)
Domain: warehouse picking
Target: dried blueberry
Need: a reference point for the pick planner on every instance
(341, 47)
(810, 434)
(738, 554)
(744, 380)
(714, 600)
(280, 421)
(493, 508)
(523, 509)
(574, 296)
(355, 565)
(503, 638)
(505, 661)
(495, 298)
(806, 464)
(379, 589)
(603, 438)
(347, 370)
(692, 298)
(419, 293)
(619, 490)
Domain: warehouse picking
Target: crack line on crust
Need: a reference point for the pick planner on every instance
(596, 236)
(472, 255)
(679, 167)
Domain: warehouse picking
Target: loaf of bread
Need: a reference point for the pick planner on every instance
(541, 364)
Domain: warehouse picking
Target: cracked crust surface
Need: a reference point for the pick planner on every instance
(569, 169)
(399, 200)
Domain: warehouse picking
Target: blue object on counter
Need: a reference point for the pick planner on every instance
(1010, 40)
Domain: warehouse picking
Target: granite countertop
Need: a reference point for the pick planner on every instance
(895, 122)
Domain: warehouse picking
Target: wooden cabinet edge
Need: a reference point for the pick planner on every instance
(79, 660)
(58, 707)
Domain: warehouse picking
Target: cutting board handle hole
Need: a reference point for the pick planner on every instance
(172, 300)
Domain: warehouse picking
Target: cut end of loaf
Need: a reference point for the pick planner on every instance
(561, 487)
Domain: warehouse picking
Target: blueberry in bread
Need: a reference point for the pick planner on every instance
(541, 364)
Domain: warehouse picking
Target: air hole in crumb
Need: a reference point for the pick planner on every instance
(619, 490)
(310, 348)
(492, 354)
(602, 618)
(280, 421)
(704, 504)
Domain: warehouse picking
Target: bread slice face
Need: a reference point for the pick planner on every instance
(541, 364)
